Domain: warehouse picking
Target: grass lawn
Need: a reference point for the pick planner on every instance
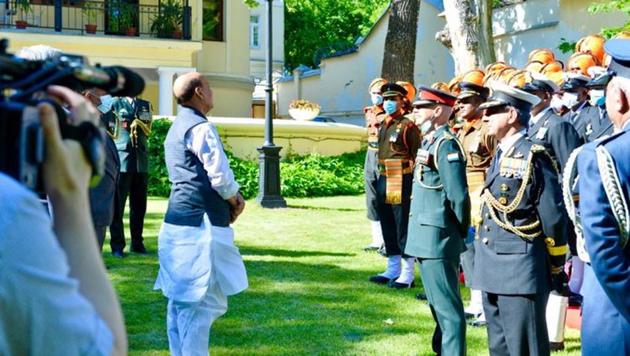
(308, 292)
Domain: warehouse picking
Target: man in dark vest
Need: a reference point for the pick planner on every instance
(199, 264)
(135, 117)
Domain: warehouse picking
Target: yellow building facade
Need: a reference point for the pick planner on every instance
(209, 36)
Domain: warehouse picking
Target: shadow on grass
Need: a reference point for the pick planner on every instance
(311, 207)
(255, 251)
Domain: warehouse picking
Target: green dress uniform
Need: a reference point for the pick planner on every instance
(438, 224)
(135, 118)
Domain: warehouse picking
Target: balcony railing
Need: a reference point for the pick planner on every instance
(167, 19)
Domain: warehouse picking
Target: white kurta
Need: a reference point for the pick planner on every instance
(192, 258)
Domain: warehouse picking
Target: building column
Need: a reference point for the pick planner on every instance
(165, 88)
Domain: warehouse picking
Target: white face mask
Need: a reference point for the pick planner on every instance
(556, 103)
(570, 99)
(597, 96)
(106, 103)
(377, 99)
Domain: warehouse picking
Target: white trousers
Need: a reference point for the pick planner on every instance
(188, 324)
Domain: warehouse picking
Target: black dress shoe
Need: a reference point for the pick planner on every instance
(556, 346)
(477, 323)
(396, 285)
(471, 315)
(378, 279)
(118, 254)
(421, 296)
(139, 249)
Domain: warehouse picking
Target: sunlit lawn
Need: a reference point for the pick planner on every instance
(308, 292)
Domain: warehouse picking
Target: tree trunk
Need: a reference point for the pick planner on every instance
(469, 24)
(400, 43)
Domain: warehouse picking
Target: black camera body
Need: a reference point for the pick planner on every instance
(22, 88)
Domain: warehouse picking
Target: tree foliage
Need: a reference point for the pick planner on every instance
(315, 29)
(610, 6)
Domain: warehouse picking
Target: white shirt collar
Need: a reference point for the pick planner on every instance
(508, 142)
(537, 117)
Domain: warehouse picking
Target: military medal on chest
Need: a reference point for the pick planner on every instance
(394, 136)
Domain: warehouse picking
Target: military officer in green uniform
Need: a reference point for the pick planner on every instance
(440, 216)
(520, 246)
(134, 116)
(399, 139)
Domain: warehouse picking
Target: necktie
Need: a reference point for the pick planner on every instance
(497, 158)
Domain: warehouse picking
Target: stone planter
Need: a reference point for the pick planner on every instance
(303, 114)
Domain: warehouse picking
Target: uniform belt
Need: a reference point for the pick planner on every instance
(407, 167)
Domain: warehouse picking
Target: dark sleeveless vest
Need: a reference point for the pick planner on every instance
(192, 194)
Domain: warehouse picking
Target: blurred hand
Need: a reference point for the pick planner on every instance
(560, 284)
(237, 206)
(66, 171)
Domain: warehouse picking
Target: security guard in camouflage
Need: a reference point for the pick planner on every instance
(520, 246)
(604, 171)
(135, 118)
(374, 116)
(399, 139)
(440, 217)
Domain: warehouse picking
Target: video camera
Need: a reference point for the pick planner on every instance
(23, 86)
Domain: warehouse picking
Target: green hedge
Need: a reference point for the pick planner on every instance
(302, 176)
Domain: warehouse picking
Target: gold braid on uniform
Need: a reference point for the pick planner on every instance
(612, 187)
(494, 206)
(570, 202)
(146, 129)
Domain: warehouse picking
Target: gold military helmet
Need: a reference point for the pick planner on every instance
(453, 86)
(543, 55)
(593, 44)
(555, 66)
(495, 67)
(505, 74)
(556, 77)
(519, 78)
(474, 76)
(535, 67)
(377, 82)
(581, 62)
(440, 86)
(411, 90)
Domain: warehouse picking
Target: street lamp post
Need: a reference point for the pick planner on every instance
(269, 158)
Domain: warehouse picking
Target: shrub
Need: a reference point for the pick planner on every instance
(302, 176)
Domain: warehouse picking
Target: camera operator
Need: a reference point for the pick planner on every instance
(55, 296)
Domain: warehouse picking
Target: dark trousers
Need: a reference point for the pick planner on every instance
(516, 324)
(134, 186)
(441, 284)
(100, 236)
(394, 217)
(370, 173)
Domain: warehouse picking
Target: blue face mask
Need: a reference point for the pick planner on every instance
(377, 99)
(106, 103)
(390, 106)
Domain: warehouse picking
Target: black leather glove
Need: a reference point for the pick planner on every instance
(560, 284)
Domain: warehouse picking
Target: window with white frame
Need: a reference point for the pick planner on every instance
(254, 31)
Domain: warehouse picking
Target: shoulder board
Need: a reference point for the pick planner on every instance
(604, 140)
